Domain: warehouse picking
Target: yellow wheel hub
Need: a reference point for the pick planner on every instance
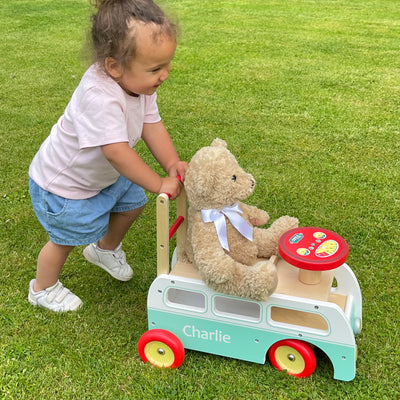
(290, 359)
(159, 354)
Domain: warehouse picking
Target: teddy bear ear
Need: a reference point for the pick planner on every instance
(219, 142)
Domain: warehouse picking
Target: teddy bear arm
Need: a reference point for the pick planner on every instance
(255, 215)
(267, 239)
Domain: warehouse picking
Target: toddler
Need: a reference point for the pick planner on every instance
(86, 181)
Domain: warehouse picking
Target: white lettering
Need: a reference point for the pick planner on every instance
(213, 336)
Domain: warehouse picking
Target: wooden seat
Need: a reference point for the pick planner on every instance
(186, 270)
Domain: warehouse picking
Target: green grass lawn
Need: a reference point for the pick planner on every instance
(307, 95)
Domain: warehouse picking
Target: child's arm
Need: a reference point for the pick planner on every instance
(160, 144)
(129, 164)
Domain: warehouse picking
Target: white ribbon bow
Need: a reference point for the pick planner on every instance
(233, 214)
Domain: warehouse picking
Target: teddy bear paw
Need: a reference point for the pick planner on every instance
(286, 223)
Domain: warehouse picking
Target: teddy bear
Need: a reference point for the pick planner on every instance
(223, 238)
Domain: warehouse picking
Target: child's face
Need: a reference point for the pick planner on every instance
(152, 63)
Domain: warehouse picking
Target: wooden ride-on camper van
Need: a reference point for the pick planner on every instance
(317, 304)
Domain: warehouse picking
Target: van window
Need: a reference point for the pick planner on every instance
(237, 308)
(187, 299)
(292, 318)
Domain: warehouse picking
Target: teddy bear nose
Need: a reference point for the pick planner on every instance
(253, 182)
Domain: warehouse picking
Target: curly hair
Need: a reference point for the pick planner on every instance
(113, 29)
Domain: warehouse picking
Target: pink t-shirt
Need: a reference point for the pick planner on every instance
(70, 162)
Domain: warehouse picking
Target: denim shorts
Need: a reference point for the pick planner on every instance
(78, 222)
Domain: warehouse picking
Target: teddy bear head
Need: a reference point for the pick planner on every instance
(214, 179)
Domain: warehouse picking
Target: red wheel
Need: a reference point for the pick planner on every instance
(161, 348)
(294, 356)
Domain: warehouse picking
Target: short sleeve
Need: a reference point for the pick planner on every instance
(100, 120)
(151, 113)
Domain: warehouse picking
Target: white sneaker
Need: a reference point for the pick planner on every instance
(112, 261)
(56, 298)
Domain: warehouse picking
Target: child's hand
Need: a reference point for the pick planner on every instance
(178, 169)
(172, 186)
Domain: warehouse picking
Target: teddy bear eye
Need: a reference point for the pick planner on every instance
(234, 178)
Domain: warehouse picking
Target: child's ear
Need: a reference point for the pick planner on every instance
(113, 68)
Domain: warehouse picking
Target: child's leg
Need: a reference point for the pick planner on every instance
(118, 227)
(46, 290)
(107, 253)
(51, 259)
